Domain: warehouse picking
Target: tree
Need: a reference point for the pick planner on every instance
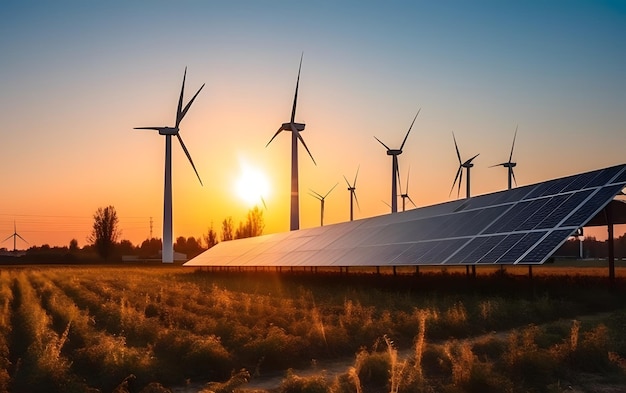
(105, 232)
(253, 226)
(227, 229)
(73, 245)
(211, 237)
(150, 248)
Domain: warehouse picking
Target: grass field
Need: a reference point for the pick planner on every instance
(79, 328)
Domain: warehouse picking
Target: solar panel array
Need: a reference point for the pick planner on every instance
(524, 225)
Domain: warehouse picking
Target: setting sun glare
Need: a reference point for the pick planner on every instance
(252, 185)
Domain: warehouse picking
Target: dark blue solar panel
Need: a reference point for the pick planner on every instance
(469, 248)
(581, 181)
(482, 249)
(605, 176)
(542, 212)
(521, 247)
(516, 216)
(621, 178)
(560, 212)
(501, 248)
(439, 251)
(415, 253)
(543, 250)
(585, 212)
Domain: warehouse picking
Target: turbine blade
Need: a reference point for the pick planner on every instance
(189, 157)
(513, 175)
(7, 238)
(502, 164)
(293, 129)
(277, 132)
(315, 195)
(407, 180)
(458, 192)
(513, 145)
(21, 238)
(456, 147)
(148, 128)
(385, 203)
(357, 174)
(379, 141)
(180, 100)
(295, 97)
(264, 205)
(407, 133)
(356, 199)
(331, 190)
(470, 160)
(455, 179)
(347, 182)
(411, 200)
(188, 105)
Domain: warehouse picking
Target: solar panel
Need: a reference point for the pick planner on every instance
(524, 225)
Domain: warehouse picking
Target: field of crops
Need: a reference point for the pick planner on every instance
(76, 329)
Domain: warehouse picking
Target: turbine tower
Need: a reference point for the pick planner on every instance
(15, 235)
(353, 198)
(459, 173)
(295, 129)
(394, 153)
(405, 195)
(168, 243)
(509, 164)
(321, 199)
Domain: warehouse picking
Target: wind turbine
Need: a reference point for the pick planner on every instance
(394, 153)
(459, 173)
(405, 195)
(168, 244)
(353, 198)
(15, 235)
(509, 164)
(295, 129)
(322, 199)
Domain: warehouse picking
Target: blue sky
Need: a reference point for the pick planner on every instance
(77, 76)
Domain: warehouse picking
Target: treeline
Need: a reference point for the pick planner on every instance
(103, 242)
(592, 248)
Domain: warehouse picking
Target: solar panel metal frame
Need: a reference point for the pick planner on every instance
(525, 225)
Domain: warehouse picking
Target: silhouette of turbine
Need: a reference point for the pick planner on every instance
(321, 199)
(15, 235)
(168, 244)
(509, 164)
(405, 195)
(459, 173)
(394, 153)
(295, 129)
(353, 198)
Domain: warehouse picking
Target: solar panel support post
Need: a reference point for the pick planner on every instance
(473, 271)
(378, 270)
(530, 272)
(417, 270)
(394, 271)
(611, 245)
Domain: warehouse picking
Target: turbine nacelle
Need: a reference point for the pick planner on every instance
(394, 152)
(287, 127)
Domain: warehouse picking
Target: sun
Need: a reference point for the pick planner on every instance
(252, 185)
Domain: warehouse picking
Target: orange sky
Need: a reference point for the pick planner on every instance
(74, 87)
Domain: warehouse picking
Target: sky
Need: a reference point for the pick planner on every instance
(77, 76)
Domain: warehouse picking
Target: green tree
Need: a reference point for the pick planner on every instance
(105, 231)
(253, 226)
(73, 245)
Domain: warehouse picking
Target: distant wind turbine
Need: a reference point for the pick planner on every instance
(15, 235)
(405, 195)
(509, 164)
(168, 244)
(295, 129)
(322, 199)
(353, 198)
(394, 153)
(459, 173)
